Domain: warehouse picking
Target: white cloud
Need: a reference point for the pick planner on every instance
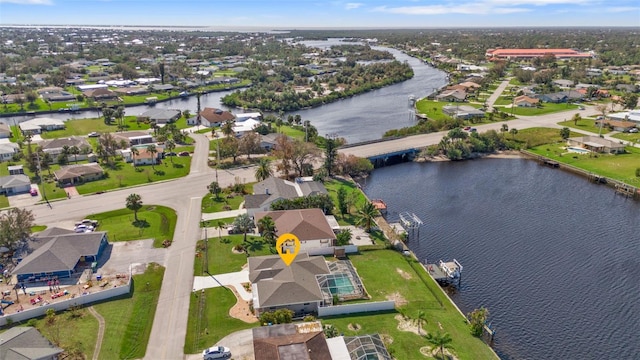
(620, 9)
(28, 2)
(537, 2)
(476, 8)
(351, 6)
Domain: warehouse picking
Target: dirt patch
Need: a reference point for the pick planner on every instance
(398, 299)
(408, 325)
(404, 274)
(241, 310)
(427, 351)
(386, 339)
(354, 327)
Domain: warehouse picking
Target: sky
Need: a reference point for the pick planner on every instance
(290, 14)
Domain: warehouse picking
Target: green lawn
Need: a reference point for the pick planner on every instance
(154, 222)
(221, 257)
(82, 127)
(38, 228)
(546, 108)
(210, 204)
(209, 319)
(386, 272)
(4, 202)
(633, 137)
(586, 125)
(620, 167)
(129, 319)
(433, 109)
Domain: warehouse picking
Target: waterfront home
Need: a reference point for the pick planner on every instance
(596, 144)
(455, 95)
(462, 111)
(309, 225)
(38, 125)
(100, 94)
(162, 116)
(211, 117)
(134, 137)
(55, 147)
(272, 189)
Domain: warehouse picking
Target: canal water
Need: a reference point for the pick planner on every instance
(363, 117)
(554, 258)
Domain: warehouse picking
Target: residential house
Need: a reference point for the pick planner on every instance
(162, 116)
(462, 111)
(241, 128)
(16, 170)
(309, 225)
(561, 97)
(134, 137)
(455, 95)
(8, 150)
(100, 94)
(295, 287)
(55, 147)
(161, 87)
(58, 253)
(563, 83)
(268, 142)
(78, 174)
(470, 85)
(132, 90)
(246, 116)
(617, 125)
(627, 88)
(211, 117)
(597, 144)
(26, 343)
(633, 115)
(304, 341)
(272, 189)
(5, 131)
(54, 96)
(38, 125)
(525, 101)
(14, 184)
(145, 157)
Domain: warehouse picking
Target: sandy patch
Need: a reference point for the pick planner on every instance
(404, 274)
(408, 325)
(241, 310)
(386, 339)
(354, 327)
(398, 299)
(426, 351)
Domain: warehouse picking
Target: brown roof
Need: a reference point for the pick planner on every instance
(214, 115)
(74, 171)
(619, 123)
(306, 224)
(281, 285)
(101, 92)
(527, 99)
(285, 342)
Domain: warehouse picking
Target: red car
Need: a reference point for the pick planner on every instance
(33, 192)
(467, 128)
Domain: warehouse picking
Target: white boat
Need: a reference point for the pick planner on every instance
(451, 268)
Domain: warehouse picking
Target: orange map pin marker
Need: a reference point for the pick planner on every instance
(288, 247)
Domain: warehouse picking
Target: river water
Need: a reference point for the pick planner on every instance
(363, 117)
(554, 258)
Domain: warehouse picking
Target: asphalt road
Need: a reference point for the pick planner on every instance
(184, 196)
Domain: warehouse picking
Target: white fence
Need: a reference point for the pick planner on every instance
(65, 304)
(349, 249)
(356, 308)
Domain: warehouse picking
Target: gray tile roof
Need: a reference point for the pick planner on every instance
(277, 188)
(26, 343)
(80, 142)
(161, 114)
(279, 284)
(306, 224)
(60, 253)
(10, 181)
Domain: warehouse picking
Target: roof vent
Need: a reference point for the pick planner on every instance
(218, 111)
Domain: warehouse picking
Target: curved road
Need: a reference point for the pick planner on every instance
(184, 196)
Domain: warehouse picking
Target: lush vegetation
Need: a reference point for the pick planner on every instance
(154, 222)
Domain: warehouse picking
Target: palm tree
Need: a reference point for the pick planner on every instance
(421, 320)
(153, 151)
(366, 213)
(513, 132)
(263, 171)
(134, 152)
(576, 117)
(227, 128)
(243, 223)
(504, 129)
(170, 145)
(215, 189)
(267, 227)
(75, 151)
(343, 237)
(439, 341)
(134, 203)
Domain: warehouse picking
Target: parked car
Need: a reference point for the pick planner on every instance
(467, 128)
(83, 228)
(183, 153)
(88, 222)
(33, 192)
(170, 154)
(473, 130)
(93, 134)
(633, 130)
(216, 352)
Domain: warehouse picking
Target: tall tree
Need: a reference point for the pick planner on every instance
(513, 133)
(134, 152)
(15, 227)
(267, 228)
(439, 341)
(565, 132)
(576, 117)
(342, 200)
(134, 203)
(249, 143)
(343, 237)
(151, 149)
(170, 145)
(244, 224)
(75, 151)
(421, 319)
(330, 154)
(227, 128)
(214, 189)
(365, 215)
(477, 318)
(263, 171)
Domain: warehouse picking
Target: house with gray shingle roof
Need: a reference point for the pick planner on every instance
(7, 150)
(55, 146)
(59, 254)
(14, 184)
(273, 189)
(26, 343)
(80, 173)
(5, 131)
(162, 116)
(276, 285)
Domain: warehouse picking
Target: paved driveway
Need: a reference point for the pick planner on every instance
(137, 253)
(240, 343)
(23, 200)
(236, 279)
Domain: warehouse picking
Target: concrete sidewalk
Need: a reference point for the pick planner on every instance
(223, 214)
(235, 279)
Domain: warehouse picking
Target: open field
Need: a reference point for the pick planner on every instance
(82, 127)
(154, 222)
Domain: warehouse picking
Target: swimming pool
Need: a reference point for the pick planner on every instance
(340, 285)
(578, 150)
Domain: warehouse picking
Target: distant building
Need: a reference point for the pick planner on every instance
(525, 101)
(597, 144)
(462, 111)
(38, 125)
(534, 53)
(211, 117)
(162, 116)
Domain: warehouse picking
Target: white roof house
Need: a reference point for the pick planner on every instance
(633, 115)
(246, 116)
(245, 126)
(38, 124)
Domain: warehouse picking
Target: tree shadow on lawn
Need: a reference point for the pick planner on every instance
(255, 245)
(141, 223)
(178, 166)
